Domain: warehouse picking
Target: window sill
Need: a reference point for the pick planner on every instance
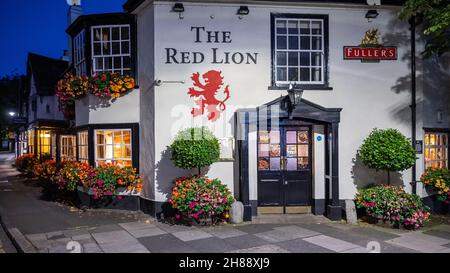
(302, 87)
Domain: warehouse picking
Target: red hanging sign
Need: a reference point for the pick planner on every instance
(370, 53)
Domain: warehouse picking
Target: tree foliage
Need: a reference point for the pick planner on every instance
(9, 95)
(387, 150)
(195, 148)
(436, 16)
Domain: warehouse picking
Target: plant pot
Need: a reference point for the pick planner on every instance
(360, 212)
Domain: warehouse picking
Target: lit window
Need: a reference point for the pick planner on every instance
(30, 141)
(113, 146)
(45, 143)
(299, 51)
(111, 49)
(53, 146)
(436, 150)
(79, 53)
(83, 155)
(68, 148)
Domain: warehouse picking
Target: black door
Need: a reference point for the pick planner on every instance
(284, 166)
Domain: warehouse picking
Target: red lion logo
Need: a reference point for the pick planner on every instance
(207, 95)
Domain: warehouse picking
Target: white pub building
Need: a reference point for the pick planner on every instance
(291, 89)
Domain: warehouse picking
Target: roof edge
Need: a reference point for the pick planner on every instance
(132, 5)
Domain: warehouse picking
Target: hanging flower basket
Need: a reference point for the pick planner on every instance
(111, 85)
(105, 85)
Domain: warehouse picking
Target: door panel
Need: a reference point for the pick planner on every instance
(284, 166)
(297, 192)
(271, 192)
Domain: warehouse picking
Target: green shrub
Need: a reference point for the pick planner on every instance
(387, 150)
(195, 148)
(200, 198)
(392, 204)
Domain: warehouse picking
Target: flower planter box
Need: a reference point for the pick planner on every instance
(435, 205)
(92, 109)
(124, 200)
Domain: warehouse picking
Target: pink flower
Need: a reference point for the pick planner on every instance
(177, 216)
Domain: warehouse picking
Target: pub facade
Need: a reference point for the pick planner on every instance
(290, 88)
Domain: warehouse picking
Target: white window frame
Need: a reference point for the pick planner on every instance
(79, 54)
(287, 50)
(79, 145)
(121, 70)
(445, 148)
(122, 144)
(64, 148)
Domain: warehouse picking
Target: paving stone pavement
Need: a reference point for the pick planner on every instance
(156, 237)
(97, 232)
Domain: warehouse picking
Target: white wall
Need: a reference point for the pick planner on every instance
(93, 110)
(145, 40)
(369, 93)
(41, 106)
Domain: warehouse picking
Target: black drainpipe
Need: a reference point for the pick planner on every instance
(413, 97)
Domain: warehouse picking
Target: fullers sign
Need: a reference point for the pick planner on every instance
(370, 53)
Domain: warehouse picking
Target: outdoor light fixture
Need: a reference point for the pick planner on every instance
(295, 95)
(371, 14)
(178, 7)
(243, 10)
(12, 114)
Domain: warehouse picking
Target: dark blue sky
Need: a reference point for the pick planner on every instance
(39, 27)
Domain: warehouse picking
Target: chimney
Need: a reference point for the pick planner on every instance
(74, 12)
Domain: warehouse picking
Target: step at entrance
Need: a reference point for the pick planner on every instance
(280, 210)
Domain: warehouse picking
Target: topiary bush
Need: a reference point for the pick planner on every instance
(393, 204)
(387, 150)
(195, 148)
(201, 199)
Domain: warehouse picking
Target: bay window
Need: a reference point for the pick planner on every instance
(45, 143)
(68, 148)
(113, 146)
(111, 49)
(83, 153)
(30, 136)
(79, 55)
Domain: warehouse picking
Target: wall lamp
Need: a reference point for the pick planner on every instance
(178, 7)
(295, 95)
(243, 10)
(371, 14)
